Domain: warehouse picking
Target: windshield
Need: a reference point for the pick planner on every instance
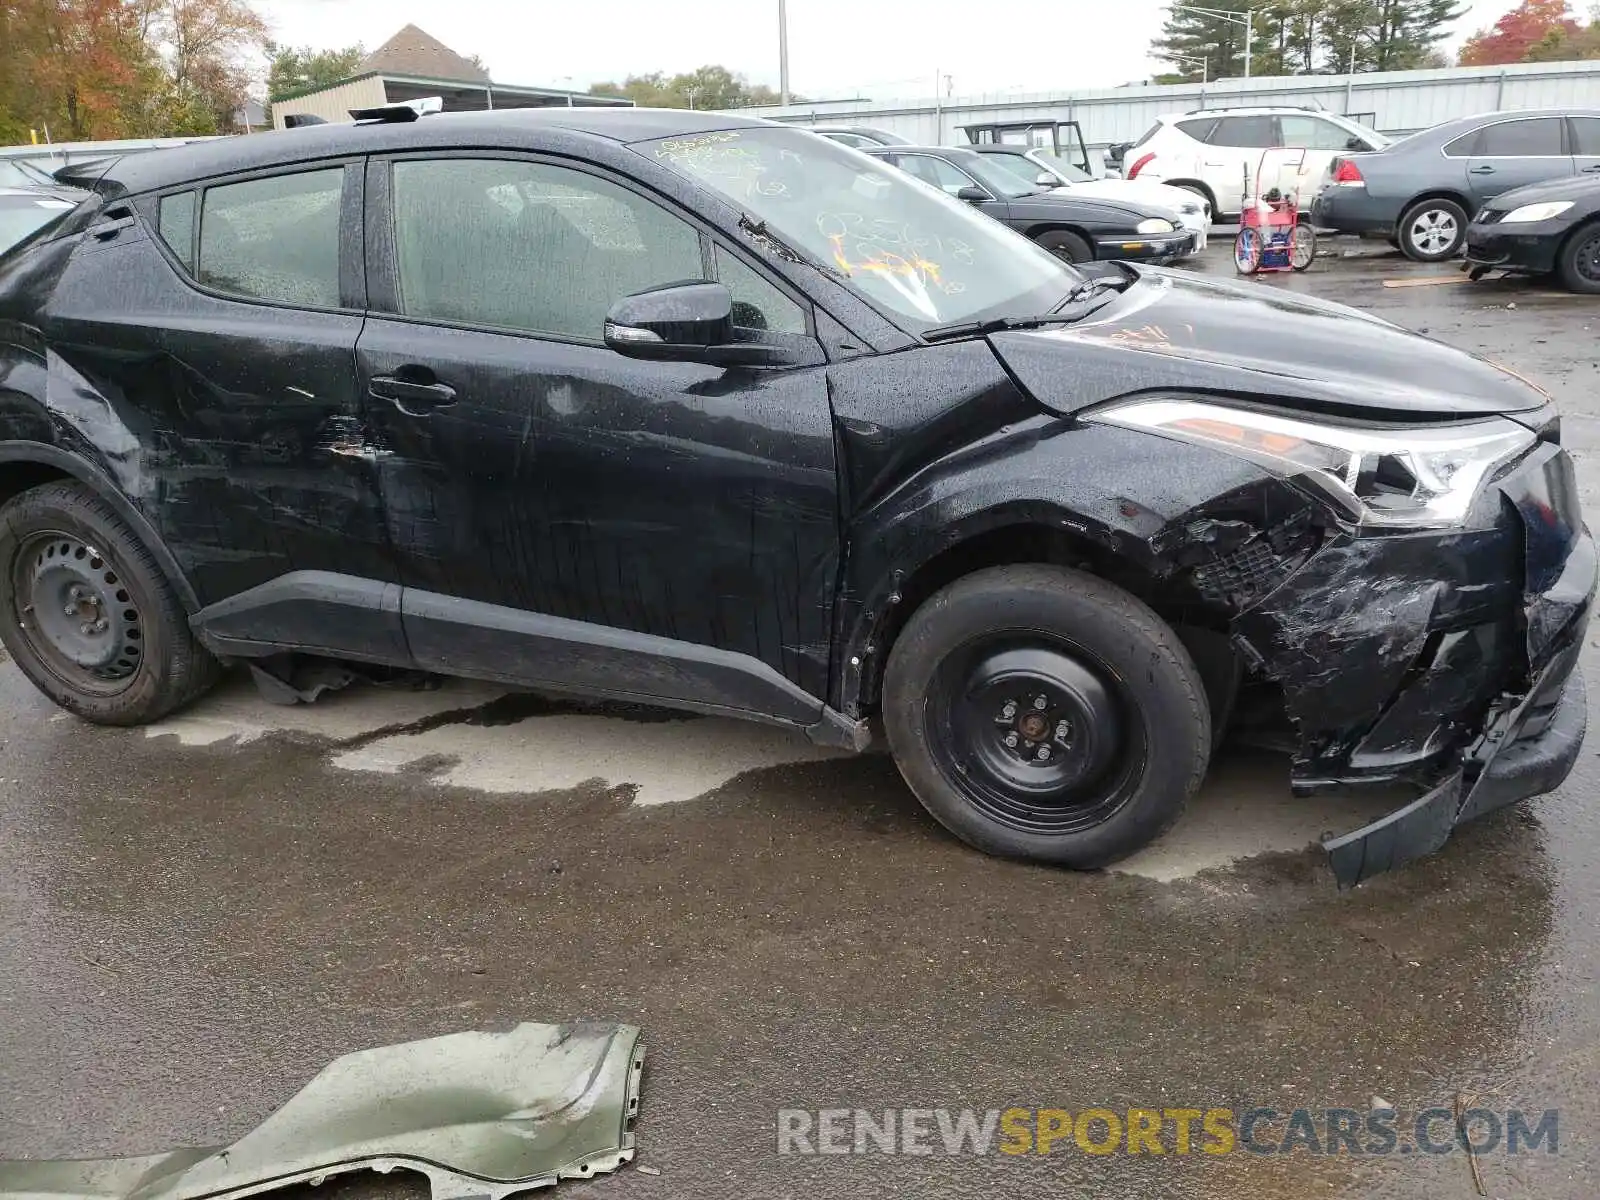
(16, 172)
(22, 216)
(904, 246)
(1061, 166)
(1371, 136)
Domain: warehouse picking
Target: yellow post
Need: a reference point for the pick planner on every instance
(34, 133)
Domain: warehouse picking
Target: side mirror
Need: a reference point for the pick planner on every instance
(973, 195)
(1046, 180)
(690, 321)
(1355, 143)
(675, 321)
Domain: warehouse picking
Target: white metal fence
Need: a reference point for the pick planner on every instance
(1391, 102)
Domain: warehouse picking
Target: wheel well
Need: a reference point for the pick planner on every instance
(1009, 545)
(19, 477)
(1437, 194)
(1572, 234)
(1036, 230)
(1207, 640)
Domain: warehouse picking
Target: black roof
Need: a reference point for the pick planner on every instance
(522, 128)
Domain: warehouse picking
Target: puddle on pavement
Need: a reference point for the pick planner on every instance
(481, 738)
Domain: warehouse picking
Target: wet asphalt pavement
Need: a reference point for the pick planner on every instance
(193, 923)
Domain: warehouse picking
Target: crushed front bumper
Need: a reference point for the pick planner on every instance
(1441, 659)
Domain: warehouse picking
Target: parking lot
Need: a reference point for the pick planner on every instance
(194, 918)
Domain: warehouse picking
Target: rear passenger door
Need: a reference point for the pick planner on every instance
(1509, 154)
(1585, 135)
(1233, 155)
(564, 515)
(223, 328)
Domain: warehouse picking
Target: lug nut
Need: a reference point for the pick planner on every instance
(86, 629)
(100, 626)
(1044, 753)
(1009, 711)
(1011, 740)
(1040, 703)
(1062, 729)
(72, 610)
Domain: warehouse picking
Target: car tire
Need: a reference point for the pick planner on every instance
(1066, 245)
(88, 614)
(1432, 230)
(1125, 716)
(1578, 262)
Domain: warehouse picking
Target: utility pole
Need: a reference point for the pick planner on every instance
(783, 50)
(1247, 19)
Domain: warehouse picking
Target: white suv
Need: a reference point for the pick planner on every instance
(1217, 152)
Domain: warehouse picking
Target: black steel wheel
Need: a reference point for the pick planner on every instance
(76, 614)
(1041, 713)
(1039, 730)
(87, 613)
(1579, 262)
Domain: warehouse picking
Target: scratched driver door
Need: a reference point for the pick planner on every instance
(528, 469)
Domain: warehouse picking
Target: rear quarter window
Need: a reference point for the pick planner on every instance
(1200, 129)
(176, 224)
(274, 239)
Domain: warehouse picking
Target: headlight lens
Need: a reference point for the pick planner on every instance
(1537, 212)
(1409, 478)
(1154, 225)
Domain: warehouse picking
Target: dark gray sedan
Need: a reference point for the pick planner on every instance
(1420, 192)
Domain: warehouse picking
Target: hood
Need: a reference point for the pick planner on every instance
(1169, 332)
(1574, 187)
(1158, 195)
(1068, 205)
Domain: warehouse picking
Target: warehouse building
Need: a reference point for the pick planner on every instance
(413, 64)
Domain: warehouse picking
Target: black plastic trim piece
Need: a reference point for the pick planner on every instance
(487, 641)
(314, 612)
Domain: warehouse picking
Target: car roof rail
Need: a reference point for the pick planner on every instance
(398, 114)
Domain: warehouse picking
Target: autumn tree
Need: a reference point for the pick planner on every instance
(709, 87)
(1514, 36)
(302, 68)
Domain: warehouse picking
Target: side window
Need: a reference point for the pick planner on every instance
(528, 246)
(274, 239)
(1538, 137)
(1251, 133)
(854, 141)
(177, 227)
(757, 304)
(1462, 147)
(1313, 133)
(1199, 129)
(937, 172)
(1586, 131)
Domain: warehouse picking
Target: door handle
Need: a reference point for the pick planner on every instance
(1482, 170)
(1594, 170)
(410, 397)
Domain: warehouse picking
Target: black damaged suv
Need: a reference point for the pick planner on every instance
(719, 415)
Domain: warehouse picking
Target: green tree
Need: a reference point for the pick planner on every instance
(300, 68)
(709, 87)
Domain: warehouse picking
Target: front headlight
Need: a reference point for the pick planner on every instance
(1413, 478)
(1536, 212)
(1154, 225)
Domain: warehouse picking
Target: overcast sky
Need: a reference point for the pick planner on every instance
(879, 48)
